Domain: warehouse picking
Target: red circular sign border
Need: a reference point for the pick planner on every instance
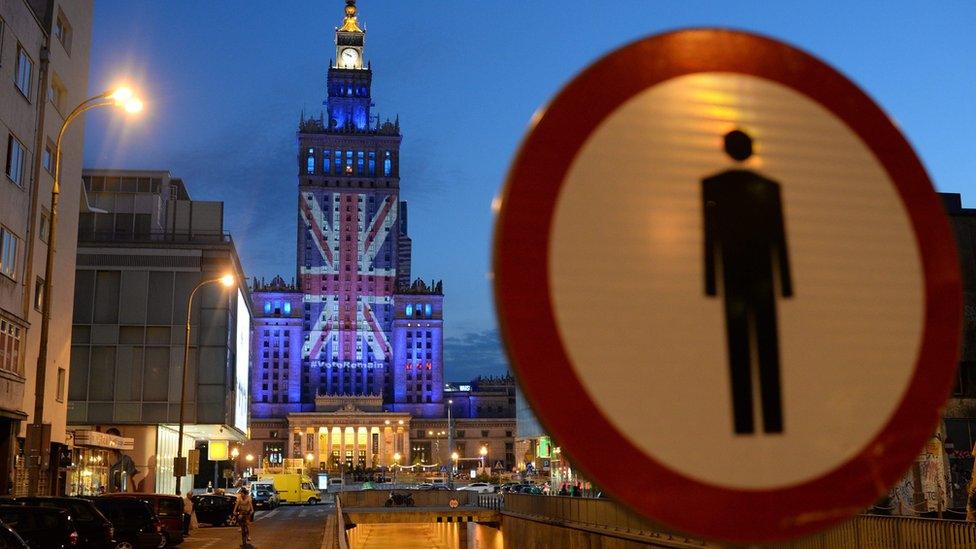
(545, 373)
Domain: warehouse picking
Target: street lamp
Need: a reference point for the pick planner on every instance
(454, 465)
(396, 466)
(228, 280)
(484, 452)
(234, 453)
(450, 443)
(121, 97)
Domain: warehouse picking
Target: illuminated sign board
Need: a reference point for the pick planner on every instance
(217, 450)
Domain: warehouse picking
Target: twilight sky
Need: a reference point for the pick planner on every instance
(224, 83)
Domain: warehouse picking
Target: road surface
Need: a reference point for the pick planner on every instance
(292, 526)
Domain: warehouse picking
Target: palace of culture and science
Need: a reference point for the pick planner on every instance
(347, 362)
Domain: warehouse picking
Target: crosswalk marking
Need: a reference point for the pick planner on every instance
(270, 513)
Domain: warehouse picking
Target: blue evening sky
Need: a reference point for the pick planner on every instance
(225, 82)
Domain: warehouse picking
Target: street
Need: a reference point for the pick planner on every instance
(300, 525)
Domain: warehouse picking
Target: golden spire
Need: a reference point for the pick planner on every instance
(349, 24)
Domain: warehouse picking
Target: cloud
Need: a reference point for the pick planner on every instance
(472, 354)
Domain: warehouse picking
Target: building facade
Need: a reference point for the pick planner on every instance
(44, 50)
(349, 356)
(142, 250)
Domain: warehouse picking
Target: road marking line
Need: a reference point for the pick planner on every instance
(270, 513)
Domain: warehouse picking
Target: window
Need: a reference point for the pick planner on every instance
(359, 162)
(326, 161)
(62, 30)
(49, 158)
(16, 154)
(24, 72)
(387, 164)
(348, 161)
(8, 252)
(372, 164)
(61, 376)
(57, 93)
(39, 293)
(338, 162)
(9, 346)
(45, 227)
(310, 162)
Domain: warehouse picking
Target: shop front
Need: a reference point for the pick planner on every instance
(98, 465)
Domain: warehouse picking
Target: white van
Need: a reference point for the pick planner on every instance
(336, 484)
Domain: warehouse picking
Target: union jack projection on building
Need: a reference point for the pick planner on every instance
(348, 276)
(353, 322)
(352, 244)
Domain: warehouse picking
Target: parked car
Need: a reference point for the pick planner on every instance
(214, 509)
(265, 496)
(136, 525)
(10, 540)
(479, 487)
(168, 509)
(94, 530)
(504, 488)
(41, 527)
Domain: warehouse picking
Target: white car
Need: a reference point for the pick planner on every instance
(480, 487)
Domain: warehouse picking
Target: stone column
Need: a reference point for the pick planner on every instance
(318, 448)
(289, 452)
(369, 447)
(382, 458)
(342, 444)
(355, 447)
(328, 446)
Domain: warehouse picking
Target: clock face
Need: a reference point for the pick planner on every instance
(349, 57)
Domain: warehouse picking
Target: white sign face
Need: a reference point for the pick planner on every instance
(241, 367)
(628, 270)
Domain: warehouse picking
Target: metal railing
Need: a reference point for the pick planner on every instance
(862, 532)
(876, 532)
(490, 501)
(195, 237)
(593, 514)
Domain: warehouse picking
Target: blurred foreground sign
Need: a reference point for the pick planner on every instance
(727, 286)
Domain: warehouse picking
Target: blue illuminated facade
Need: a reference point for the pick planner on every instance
(353, 283)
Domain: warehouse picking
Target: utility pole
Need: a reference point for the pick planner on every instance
(450, 445)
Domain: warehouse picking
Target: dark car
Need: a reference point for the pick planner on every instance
(214, 509)
(265, 496)
(136, 526)
(41, 527)
(168, 509)
(94, 530)
(10, 540)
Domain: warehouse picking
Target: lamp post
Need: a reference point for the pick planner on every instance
(234, 454)
(122, 97)
(396, 466)
(484, 452)
(454, 464)
(179, 464)
(249, 459)
(450, 443)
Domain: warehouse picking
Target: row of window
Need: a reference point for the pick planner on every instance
(278, 307)
(418, 311)
(349, 162)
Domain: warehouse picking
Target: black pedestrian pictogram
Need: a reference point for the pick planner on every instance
(745, 246)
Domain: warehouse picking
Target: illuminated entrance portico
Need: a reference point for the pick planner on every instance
(348, 432)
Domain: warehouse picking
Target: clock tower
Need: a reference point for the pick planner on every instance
(349, 81)
(352, 243)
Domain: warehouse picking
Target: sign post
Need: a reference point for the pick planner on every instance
(727, 286)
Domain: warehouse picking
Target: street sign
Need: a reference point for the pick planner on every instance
(727, 286)
(194, 462)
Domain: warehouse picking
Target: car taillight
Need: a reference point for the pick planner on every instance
(73, 538)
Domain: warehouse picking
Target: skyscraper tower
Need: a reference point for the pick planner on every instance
(348, 230)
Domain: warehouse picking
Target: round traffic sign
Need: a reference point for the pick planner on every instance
(727, 286)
